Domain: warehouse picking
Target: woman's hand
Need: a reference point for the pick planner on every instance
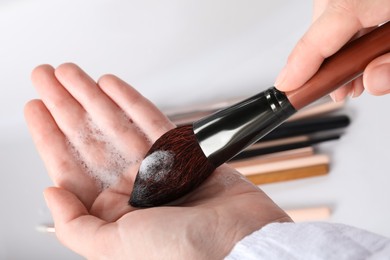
(92, 137)
(335, 22)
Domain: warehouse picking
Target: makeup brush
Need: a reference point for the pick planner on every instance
(184, 157)
(285, 147)
(308, 126)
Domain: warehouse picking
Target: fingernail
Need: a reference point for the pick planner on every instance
(335, 97)
(355, 93)
(281, 77)
(351, 93)
(332, 96)
(44, 196)
(379, 81)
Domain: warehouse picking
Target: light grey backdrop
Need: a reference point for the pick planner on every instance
(176, 53)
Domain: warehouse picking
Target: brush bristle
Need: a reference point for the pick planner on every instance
(167, 180)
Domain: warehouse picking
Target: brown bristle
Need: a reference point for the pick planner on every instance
(168, 180)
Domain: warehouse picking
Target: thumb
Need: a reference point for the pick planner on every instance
(376, 77)
(75, 228)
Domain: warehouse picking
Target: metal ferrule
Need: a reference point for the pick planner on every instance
(227, 132)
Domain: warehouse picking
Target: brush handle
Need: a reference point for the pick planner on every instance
(284, 147)
(227, 132)
(308, 126)
(344, 66)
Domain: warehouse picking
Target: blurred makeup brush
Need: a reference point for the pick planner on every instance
(307, 126)
(184, 157)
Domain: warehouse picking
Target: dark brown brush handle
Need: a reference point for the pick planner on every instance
(344, 66)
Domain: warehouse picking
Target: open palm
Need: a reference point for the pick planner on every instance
(92, 138)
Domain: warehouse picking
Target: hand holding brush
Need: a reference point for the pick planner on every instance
(184, 157)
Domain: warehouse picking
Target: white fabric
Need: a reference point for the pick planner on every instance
(311, 240)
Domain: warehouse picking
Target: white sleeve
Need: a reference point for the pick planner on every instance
(311, 240)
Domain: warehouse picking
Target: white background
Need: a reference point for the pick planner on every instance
(176, 52)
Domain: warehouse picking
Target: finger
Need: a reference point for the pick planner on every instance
(319, 7)
(54, 150)
(105, 114)
(315, 46)
(357, 87)
(66, 111)
(376, 77)
(85, 234)
(341, 93)
(353, 89)
(71, 118)
(330, 31)
(144, 114)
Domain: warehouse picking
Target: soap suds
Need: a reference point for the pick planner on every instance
(156, 165)
(98, 156)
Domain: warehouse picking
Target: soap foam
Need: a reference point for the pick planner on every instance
(156, 165)
(98, 156)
